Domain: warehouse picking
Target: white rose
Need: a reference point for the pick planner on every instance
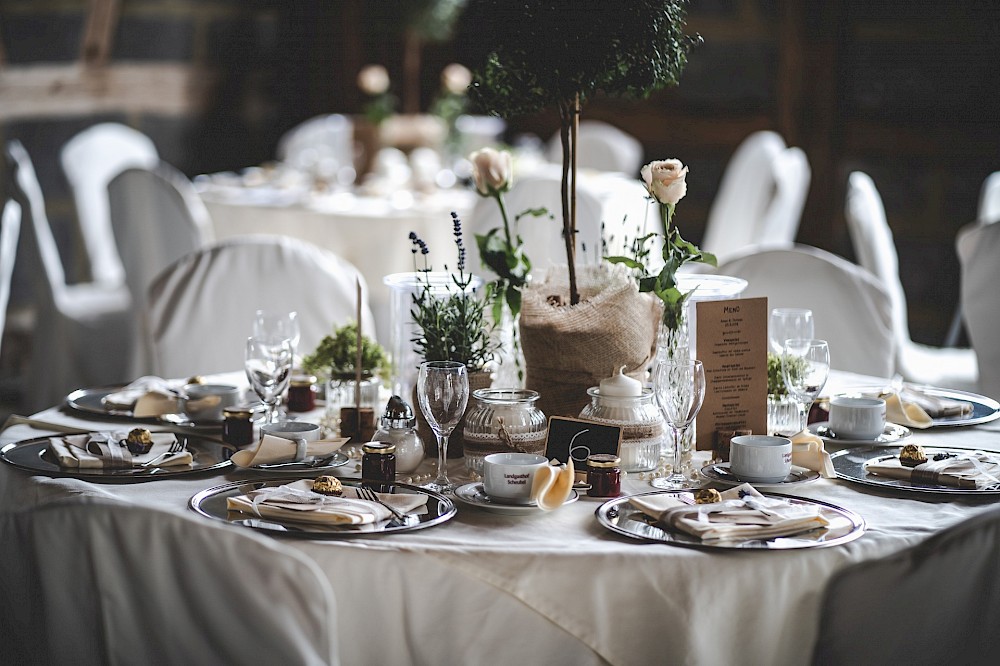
(492, 171)
(373, 79)
(456, 78)
(665, 180)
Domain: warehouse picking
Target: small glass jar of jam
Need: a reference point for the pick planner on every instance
(604, 474)
(302, 393)
(237, 425)
(378, 462)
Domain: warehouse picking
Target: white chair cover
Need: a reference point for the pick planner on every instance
(851, 309)
(979, 253)
(989, 199)
(876, 253)
(320, 145)
(81, 330)
(202, 306)
(602, 147)
(96, 581)
(10, 229)
(935, 603)
(157, 219)
(91, 159)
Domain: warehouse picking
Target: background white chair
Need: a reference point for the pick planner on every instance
(321, 145)
(901, 609)
(851, 309)
(979, 253)
(876, 253)
(760, 198)
(10, 229)
(603, 147)
(81, 331)
(157, 218)
(95, 581)
(989, 200)
(202, 306)
(90, 160)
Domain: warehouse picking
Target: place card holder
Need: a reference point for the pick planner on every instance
(580, 438)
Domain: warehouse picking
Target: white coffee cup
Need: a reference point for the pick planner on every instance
(205, 402)
(508, 476)
(293, 430)
(760, 458)
(857, 418)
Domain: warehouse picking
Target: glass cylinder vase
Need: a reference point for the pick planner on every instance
(503, 420)
(784, 416)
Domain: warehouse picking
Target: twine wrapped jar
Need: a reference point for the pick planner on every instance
(641, 423)
(503, 421)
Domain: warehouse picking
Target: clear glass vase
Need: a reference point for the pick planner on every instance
(524, 425)
(674, 343)
(643, 430)
(784, 416)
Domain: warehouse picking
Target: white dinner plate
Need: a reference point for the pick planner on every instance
(474, 495)
(891, 436)
(721, 474)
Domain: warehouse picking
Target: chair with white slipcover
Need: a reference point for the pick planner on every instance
(851, 309)
(760, 198)
(603, 147)
(10, 229)
(202, 306)
(90, 160)
(979, 253)
(157, 218)
(937, 602)
(875, 250)
(99, 581)
(81, 331)
(321, 145)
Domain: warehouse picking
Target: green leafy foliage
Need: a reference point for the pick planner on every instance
(336, 354)
(775, 380)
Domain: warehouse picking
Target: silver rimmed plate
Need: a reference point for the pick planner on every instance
(33, 455)
(984, 409)
(211, 503)
(850, 466)
(473, 494)
(892, 435)
(621, 517)
(720, 473)
(323, 463)
(91, 402)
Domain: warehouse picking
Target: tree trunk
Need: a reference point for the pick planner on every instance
(569, 112)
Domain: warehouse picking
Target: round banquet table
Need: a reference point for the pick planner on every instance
(558, 587)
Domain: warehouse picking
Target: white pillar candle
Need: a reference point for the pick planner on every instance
(620, 385)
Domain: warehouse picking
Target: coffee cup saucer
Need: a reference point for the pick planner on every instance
(721, 473)
(891, 435)
(473, 494)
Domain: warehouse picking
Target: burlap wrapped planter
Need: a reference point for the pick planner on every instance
(569, 348)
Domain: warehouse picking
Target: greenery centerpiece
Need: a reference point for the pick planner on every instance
(334, 363)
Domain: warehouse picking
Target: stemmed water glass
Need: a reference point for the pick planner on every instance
(443, 393)
(679, 387)
(805, 366)
(789, 323)
(268, 366)
(277, 326)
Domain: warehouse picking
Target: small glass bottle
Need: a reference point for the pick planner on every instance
(302, 393)
(378, 462)
(604, 474)
(237, 425)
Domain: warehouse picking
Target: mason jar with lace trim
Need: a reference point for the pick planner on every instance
(503, 420)
(641, 423)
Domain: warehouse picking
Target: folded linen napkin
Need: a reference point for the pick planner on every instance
(970, 470)
(743, 513)
(103, 450)
(146, 397)
(914, 408)
(296, 502)
(809, 451)
(552, 485)
(271, 449)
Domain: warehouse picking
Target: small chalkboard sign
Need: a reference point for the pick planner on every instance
(581, 439)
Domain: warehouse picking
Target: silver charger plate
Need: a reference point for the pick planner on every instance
(32, 455)
(337, 459)
(211, 503)
(90, 402)
(619, 516)
(473, 494)
(984, 409)
(850, 466)
(720, 473)
(892, 434)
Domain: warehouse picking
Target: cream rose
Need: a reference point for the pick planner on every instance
(455, 78)
(492, 171)
(665, 180)
(373, 79)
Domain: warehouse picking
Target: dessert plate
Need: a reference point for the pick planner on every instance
(720, 473)
(892, 434)
(473, 494)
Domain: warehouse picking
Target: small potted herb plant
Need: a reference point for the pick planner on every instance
(334, 360)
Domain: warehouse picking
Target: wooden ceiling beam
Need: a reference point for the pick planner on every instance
(99, 32)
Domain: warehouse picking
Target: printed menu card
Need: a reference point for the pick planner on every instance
(732, 345)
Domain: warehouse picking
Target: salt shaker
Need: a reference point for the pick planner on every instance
(399, 426)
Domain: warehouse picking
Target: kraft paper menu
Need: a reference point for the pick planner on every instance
(732, 345)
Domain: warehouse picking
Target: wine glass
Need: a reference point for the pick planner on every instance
(805, 366)
(277, 326)
(679, 386)
(268, 366)
(789, 323)
(443, 393)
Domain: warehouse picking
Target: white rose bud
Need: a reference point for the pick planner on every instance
(665, 180)
(373, 79)
(492, 171)
(456, 78)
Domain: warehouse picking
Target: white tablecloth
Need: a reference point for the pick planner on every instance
(557, 587)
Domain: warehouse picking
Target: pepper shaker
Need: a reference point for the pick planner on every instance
(399, 426)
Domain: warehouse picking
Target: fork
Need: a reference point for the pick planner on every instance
(370, 495)
(175, 447)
